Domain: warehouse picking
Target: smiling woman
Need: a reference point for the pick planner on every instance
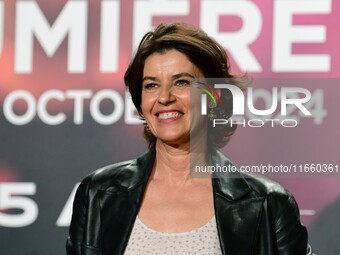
(153, 204)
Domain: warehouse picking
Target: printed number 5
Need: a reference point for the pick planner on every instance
(10, 199)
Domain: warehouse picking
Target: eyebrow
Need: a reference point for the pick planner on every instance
(174, 77)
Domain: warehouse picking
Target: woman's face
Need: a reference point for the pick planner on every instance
(166, 97)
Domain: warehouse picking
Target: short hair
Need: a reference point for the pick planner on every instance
(203, 51)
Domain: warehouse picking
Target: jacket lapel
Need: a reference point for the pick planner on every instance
(119, 207)
(237, 214)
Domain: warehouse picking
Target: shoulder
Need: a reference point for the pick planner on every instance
(120, 176)
(261, 185)
(278, 197)
(240, 185)
(235, 184)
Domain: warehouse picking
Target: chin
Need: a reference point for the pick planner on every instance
(174, 140)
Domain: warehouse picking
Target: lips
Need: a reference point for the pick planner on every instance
(169, 115)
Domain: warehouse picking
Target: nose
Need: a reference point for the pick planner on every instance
(166, 95)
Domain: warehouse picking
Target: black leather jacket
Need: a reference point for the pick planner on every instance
(253, 215)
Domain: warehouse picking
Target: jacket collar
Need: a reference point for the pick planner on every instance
(230, 185)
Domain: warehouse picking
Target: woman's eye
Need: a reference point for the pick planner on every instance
(182, 83)
(150, 86)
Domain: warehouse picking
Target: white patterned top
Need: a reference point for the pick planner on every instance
(144, 240)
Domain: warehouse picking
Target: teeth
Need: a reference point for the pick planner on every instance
(169, 115)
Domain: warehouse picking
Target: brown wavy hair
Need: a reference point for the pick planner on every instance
(204, 52)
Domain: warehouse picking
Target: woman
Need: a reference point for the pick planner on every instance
(152, 205)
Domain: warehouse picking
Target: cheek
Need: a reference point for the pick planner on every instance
(195, 98)
(184, 97)
(147, 103)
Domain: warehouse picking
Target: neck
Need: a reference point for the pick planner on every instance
(172, 163)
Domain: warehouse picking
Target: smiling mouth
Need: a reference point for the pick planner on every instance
(169, 115)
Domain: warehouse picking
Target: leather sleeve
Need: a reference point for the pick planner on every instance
(76, 231)
(291, 235)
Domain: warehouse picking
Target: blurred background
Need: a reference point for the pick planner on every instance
(64, 111)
